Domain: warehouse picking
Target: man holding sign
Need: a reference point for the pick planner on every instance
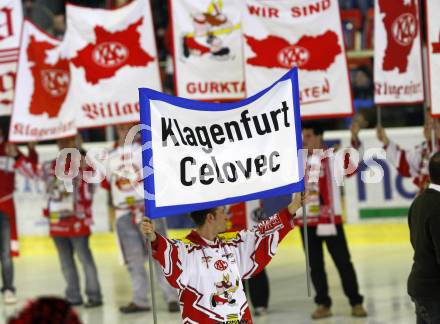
(201, 156)
(208, 269)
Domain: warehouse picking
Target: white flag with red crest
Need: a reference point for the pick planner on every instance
(433, 31)
(208, 49)
(398, 76)
(282, 34)
(40, 112)
(11, 19)
(112, 54)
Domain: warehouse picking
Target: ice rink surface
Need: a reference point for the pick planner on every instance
(380, 252)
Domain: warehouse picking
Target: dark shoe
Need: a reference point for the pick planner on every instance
(92, 304)
(173, 307)
(321, 312)
(75, 304)
(133, 308)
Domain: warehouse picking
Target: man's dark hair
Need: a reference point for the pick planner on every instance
(315, 126)
(199, 216)
(434, 168)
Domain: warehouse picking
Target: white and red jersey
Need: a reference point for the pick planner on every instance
(69, 213)
(323, 178)
(208, 274)
(412, 163)
(124, 179)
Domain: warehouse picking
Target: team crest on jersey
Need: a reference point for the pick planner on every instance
(221, 265)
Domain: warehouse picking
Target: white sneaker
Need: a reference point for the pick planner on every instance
(9, 297)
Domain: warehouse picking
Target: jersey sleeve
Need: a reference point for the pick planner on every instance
(256, 247)
(169, 254)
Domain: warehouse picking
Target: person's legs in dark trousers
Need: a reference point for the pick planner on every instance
(338, 249)
(5, 254)
(82, 248)
(427, 311)
(259, 289)
(65, 252)
(317, 270)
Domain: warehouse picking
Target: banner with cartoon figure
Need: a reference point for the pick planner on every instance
(207, 49)
(303, 33)
(398, 76)
(433, 31)
(40, 112)
(112, 53)
(199, 155)
(11, 19)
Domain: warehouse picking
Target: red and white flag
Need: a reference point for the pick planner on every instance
(398, 76)
(112, 53)
(207, 49)
(433, 31)
(40, 112)
(245, 215)
(11, 19)
(282, 34)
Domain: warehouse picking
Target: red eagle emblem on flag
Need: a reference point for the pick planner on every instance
(51, 81)
(111, 52)
(310, 53)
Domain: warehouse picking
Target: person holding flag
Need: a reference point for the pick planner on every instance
(70, 220)
(11, 160)
(324, 219)
(207, 268)
(124, 180)
(413, 163)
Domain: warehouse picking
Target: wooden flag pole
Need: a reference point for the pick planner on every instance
(153, 294)
(306, 244)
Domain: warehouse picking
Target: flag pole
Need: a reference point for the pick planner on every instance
(379, 116)
(150, 264)
(306, 244)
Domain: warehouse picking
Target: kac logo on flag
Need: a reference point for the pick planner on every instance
(199, 155)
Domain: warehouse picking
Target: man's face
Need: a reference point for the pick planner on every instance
(310, 140)
(219, 219)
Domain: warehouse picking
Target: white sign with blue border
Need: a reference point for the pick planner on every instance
(199, 155)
